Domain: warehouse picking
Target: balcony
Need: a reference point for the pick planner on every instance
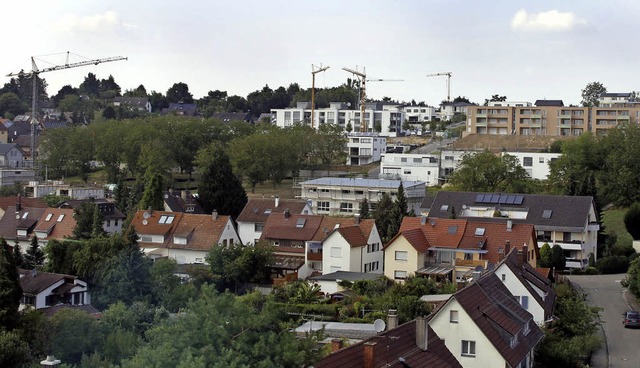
(576, 263)
(314, 256)
(470, 263)
(593, 226)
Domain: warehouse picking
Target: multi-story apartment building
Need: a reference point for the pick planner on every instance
(551, 117)
(365, 148)
(415, 114)
(378, 117)
(343, 196)
(410, 166)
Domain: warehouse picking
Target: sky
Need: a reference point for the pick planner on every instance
(525, 50)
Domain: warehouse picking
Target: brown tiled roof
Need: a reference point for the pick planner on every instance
(201, 231)
(279, 226)
(5, 202)
(500, 317)
(416, 238)
(34, 282)
(497, 234)
(353, 235)
(153, 227)
(392, 345)
(543, 272)
(256, 209)
(329, 223)
(60, 225)
(9, 223)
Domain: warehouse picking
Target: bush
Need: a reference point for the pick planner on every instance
(632, 220)
(622, 250)
(633, 256)
(613, 264)
(590, 271)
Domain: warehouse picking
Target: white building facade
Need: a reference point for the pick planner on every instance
(410, 166)
(536, 164)
(365, 148)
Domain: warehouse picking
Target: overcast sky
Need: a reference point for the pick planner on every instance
(526, 50)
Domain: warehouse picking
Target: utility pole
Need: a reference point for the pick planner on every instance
(314, 71)
(34, 76)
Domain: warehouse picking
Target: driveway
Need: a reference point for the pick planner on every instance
(621, 349)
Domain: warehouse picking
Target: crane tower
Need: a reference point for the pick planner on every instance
(448, 74)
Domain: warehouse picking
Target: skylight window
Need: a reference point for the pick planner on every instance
(49, 217)
(300, 223)
(60, 218)
(444, 207)
(24, 215)
(267, 211)
(452, 229)
(480, 231)
(547, 214)
(166, 219)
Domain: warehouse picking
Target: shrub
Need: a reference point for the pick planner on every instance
(632, 220)
(590, 271)
(613, 264)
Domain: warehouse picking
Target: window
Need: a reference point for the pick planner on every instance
(524, 301)
(399, 275)
(444, 207)
(60, 218)
(258, 227)
(407, 172)
(480, 231)
(401, 255)
(179, 240)
(527, 161)
(346, 207)
(346, 191)
(323, 206)
(504, 277)
(300, 222)
(49, 217)
(453, 316)
(541, 160)
(108, 222)
(468, 348)
(166, 219)
(324, 190)
(403, 159)
(199, 260)
(336, 252)
(417, 160)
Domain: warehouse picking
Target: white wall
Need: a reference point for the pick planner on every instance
(511, 281)
(539, 168)
(377, 256)
(410, 166)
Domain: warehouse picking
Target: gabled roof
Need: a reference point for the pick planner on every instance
(5, 202)
(568, 213)
(202, 231)
(500, 317)
(391, 346)
(180, 200)
(34, 282)
(285, 227)
(329, 223)
(132, 101)
(25, 219)
(107, 209)
(353, 235)
(147, 223)
(57, 223)
(6, 147)
(257, 210)
(557, 103)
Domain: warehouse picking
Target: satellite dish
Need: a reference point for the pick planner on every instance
(145, 222)
(379, 325)
(146, 215)
(18, 217)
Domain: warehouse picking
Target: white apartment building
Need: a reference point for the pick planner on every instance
(449, 109)
(415, 114)
(342, 196)
(378, 117)
(410, 166)
(365, 148)
(535, 163)
(510, 103)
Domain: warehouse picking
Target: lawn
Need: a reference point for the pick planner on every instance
(613, 222)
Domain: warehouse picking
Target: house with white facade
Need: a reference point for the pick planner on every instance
(534, 292)
(353, 248)
(20, 225)
(365, 148)
(343, 196)
(449, 109)
(185, 237)
(133, 103)
(411, 167)
(255, 213)
(37, 189)
(536, 164)
(43, 289)
(415, 114)
(112, 217)
(483, 325)
(386, 119)
(569, 221)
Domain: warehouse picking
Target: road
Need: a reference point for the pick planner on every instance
(605, 291)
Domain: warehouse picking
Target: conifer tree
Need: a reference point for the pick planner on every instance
(10, 290)
(153, 191)
(18, 257)
(35, 256)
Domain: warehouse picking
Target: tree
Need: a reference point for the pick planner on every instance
(632, 281)
(486, 172)
(349, 127)
(10, 290)
(365, 211)
(179, 92)
(75, 333)
(558, 261)
(10, 104)
(330, 145)
(17, 255)
(383, 215)
(152, 196)
(63, 92)
(574, 172)
(632, 220)
(83, 215)
(14, 351)
(219, 188)
(591, 92)
(35, 256)
(545, 256)
(90, 86)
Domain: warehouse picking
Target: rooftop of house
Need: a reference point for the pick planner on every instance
(541, 103)
(546, 212)
(298, 227)
(34, 282)
(87, 308)
(615, 94)
(133, 101)
(57, 223)
(25, 219)
(5, 202)
(182, 201)
(108, 210)
(364, 183)
(6, 147)
(257, 210)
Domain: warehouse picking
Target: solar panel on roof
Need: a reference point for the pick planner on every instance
(518, 200)
(511, 199)
(495, 198)
(479, 198)
(503, 199)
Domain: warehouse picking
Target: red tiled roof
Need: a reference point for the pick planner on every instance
(416, 238)
(392, 345)
(24, 202)
(279, 226)
(60, 225)
(329, 223)
(151, 226)
(256, 209)
(353, 236)
(201, 231)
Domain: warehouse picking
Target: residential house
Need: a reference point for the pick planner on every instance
(612, 99)
(413, 344)
(483, 325)
(299, 243)
(569, 221)
(180, 109)
(449, 109)
(20, 201)
(182, 201)
(453, 249)
(184, 237)
(532, 290)
(255, 213)
(343, 196)
(55, 223)
(18, 224)
(112, 217)
(411, 167)
(227, 117)
(536, 164)
(134, 103)
(11, 155)
(36, 189)
(415, 114)
(43, 290)
(365, 148)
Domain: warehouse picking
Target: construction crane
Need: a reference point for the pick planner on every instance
(314, 71)
(448, 74)
(34, 76)
(362, 76)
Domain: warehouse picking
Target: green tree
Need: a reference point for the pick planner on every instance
(632, 281)
(83, 215)
(219, 188)
(14, 351)
(383, 215)
(179, 92)
(558, 261)
(35, 256)
(574, 172)
(618, 178)
(10, 104)
(591, 92)
(10, 290)
(75, 333)
(90, 85)
(17, 255)
(250, 159)
(239, 264)
(365, 211)
(486, 172)
(632, 220)
(545, 256)
(152, 197)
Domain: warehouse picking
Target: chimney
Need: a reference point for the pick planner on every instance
(524, 255)
(476, 275)
(422, 333)
(507, 247)
(277, 201)
(51, 361)
(369, 354)
(357, 219)
(19, 203)
(184, 195)
(509, 226)
(214, 215)
(336, 344)
(150, 210)
(423, 220)
(287, 214)
(392, 319)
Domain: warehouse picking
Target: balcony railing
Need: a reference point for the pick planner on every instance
(314, 256)
(470, 263)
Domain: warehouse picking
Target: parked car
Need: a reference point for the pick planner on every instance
(631, 319)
